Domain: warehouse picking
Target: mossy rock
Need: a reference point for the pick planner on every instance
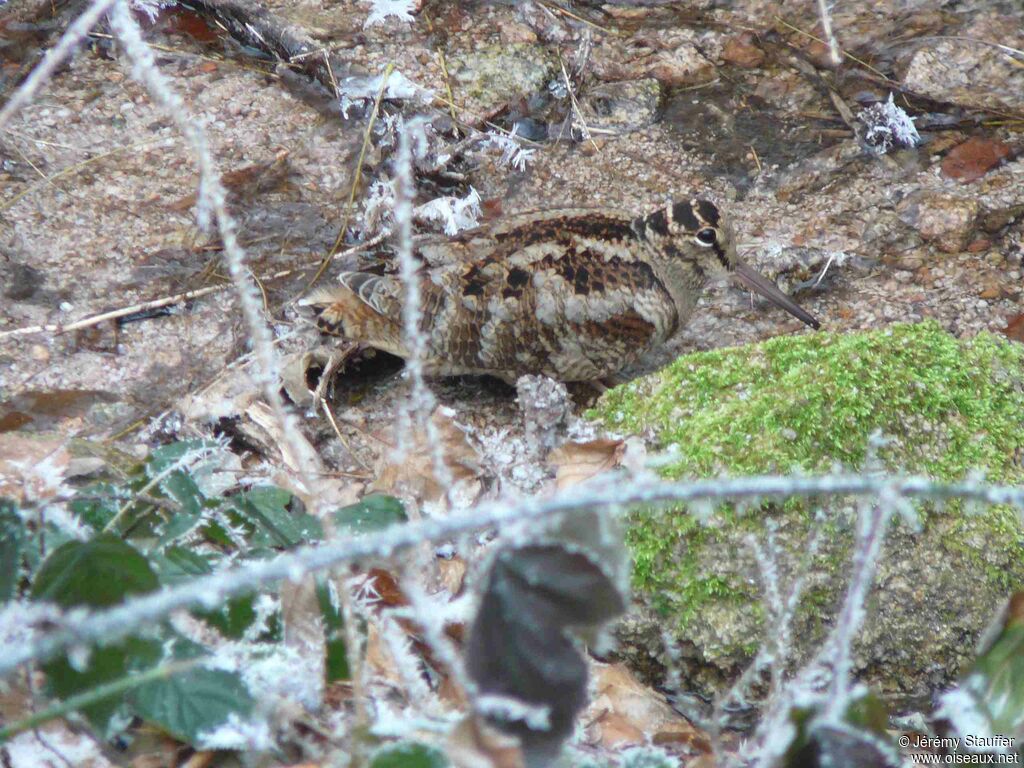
(488, 77)
(947, 408)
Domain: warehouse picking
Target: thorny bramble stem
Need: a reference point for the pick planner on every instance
(110, 625)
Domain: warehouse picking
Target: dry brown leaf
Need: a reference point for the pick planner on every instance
(575, 463)
(974, 158)
(32, 467)
(453, 574)
(303, 628)
(416, 475)
(614, 731)
(624, 711)
(1015, 328)
(378, 657)
(385, 585)
(474, 744)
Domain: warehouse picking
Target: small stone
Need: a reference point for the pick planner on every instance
(624, 106)
(993, 291)
(685, 65)
(514, 32)
(40, 353)
(941, 218)
(740, 51)
(978, 245)
(974, 158)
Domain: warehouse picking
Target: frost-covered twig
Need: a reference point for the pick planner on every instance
(54, 57)
(421, 400)
(210, 591)
(872, 526)
(212, 201)
(826, 27)
(383, 9)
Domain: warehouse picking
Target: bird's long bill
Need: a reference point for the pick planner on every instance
(758, 283)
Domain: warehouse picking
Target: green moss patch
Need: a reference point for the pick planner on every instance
(947, 407)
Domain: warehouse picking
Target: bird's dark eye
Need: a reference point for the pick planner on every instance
(707, 236)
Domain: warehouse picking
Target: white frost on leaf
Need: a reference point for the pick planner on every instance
(960, 708)
(381, 10)
(456, 213)
(509, 709)
(888, 126)
(151, 8)
(22, 623)
(238, 734)
(513, 154)
(363, 90)
(277, 672)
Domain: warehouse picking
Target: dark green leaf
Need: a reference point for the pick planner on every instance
(409, 755)
(373, 513)
(103, 665)
(193, 702)
(97, 504)
(183, 489)
(178, 526)
(98, 573)
(12, 536)
(177, 564)
(334, 628)
(166, 456)
(997, 680)
(266, 508)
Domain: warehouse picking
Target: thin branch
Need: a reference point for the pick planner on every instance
(826, 27)
(357, 176)
(93, 696)
(112, 624)
(168, 301)
(54, 58)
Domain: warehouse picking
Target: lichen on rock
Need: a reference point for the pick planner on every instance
(948, 407)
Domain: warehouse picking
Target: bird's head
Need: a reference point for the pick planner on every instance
(695, 231)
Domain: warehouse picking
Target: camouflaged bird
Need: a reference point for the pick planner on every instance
(576, 295)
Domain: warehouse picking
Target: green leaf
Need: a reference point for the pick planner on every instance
(103, 665)
(997, 680)
(334, 629)
(98, 573)
(97, 504)
(193, 702)
(12, 536)
(372, 513)
(409, 755)
(178, 526)
(166, 456)
(178, 564)
(183, 489)
(266, 507)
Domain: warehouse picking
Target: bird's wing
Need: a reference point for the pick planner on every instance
(565, 295)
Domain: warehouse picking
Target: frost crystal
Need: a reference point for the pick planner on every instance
(238, 734)
(151, 8)
(960, 708)
(361, 90)
(509, 709)
(457, 213)
(888, 126)
(513, 154)
(382, 9)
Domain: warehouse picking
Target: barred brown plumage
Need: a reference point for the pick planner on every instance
(574, 294)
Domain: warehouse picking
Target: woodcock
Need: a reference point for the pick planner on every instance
(576, 294)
